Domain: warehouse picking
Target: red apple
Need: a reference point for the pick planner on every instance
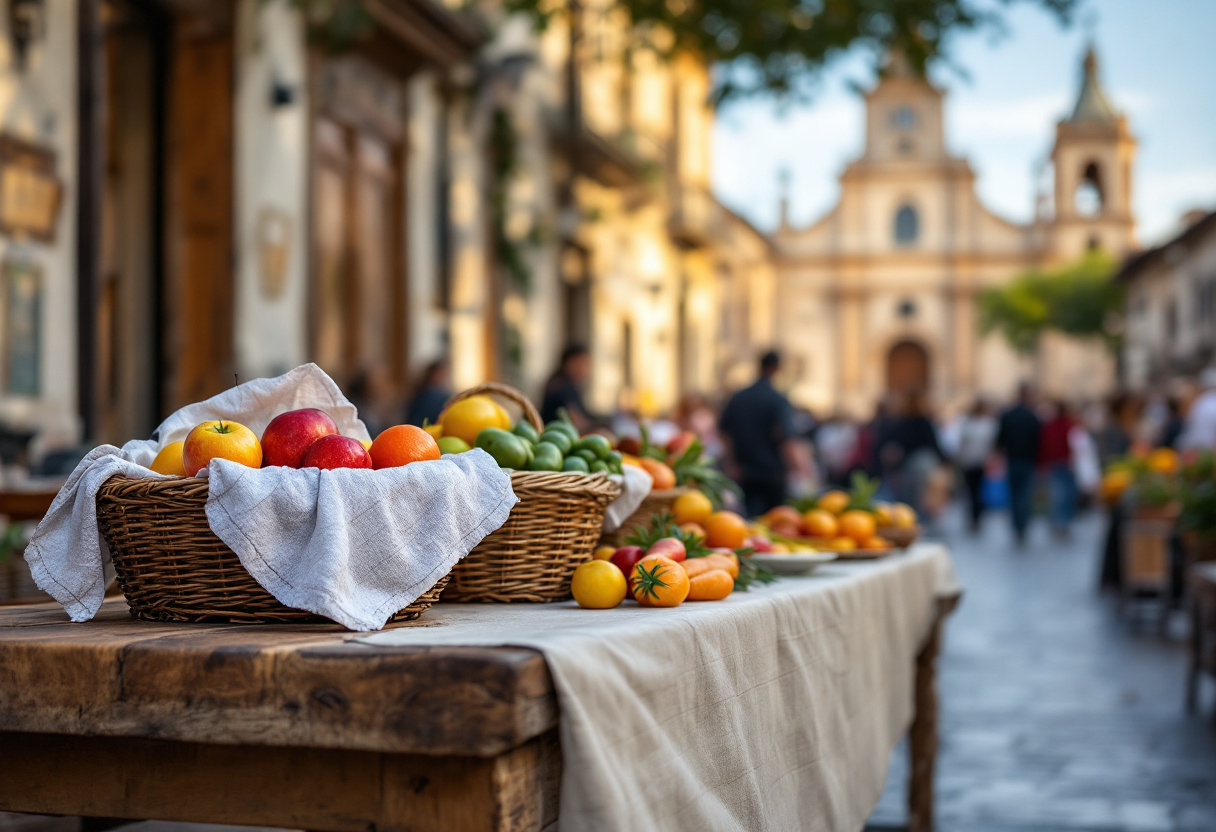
(679, 443)
(759, 543)
(290, 434)
(630, 445)
(625, 558)
(336, 452)
(668, 547)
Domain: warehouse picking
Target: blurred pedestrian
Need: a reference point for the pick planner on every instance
(1056, 463)
(913, 448)
(430, 394)
(836, 448)
(976, 441)
(1171, 430)
(1200, 429)
(758, 431)
(1018, 438)
(564, 390)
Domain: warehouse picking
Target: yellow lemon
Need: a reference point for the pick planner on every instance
(469, 417)
(598, 585)
(169, 460)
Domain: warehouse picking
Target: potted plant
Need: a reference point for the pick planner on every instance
(1197, 506)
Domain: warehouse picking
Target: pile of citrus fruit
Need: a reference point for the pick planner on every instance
(840, 521)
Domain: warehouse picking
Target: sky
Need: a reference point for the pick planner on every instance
(1157, 64)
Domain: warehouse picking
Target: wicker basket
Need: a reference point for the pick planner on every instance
(172, 567)
(655, 503)
(552, 529)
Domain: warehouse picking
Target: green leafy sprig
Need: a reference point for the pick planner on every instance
(664, 525)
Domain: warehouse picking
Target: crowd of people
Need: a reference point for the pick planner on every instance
(1016, 455)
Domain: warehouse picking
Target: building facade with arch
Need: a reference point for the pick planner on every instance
(880, 295)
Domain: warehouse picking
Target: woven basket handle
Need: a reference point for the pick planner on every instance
(507, 392)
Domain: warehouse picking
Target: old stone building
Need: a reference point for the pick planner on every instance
(880, 294)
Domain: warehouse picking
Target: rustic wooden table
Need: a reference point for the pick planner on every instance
(296, 726)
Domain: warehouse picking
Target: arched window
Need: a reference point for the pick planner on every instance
(1088, 198)
(907, 226)
(903, 118)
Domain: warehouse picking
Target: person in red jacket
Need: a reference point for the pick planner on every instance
(1055, 462)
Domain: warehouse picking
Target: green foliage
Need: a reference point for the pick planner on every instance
(1197, 496)
(1079, 299)
(778, 46)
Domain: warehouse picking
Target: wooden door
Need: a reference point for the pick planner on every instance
(908, 368)
(358, 281)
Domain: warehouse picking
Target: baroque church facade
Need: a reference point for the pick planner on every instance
(881, 293)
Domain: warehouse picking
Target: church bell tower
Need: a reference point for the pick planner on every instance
(1093, 157)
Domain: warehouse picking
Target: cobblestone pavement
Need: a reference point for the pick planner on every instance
(1057, 714)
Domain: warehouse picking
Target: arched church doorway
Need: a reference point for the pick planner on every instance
(907, 367)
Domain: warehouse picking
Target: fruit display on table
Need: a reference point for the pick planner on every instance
(851, 523)
(682, 462)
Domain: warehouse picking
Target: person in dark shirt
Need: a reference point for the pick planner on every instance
(430, 396)
(757, 425)
(1018, 438)
(564, 390)
(912, 449)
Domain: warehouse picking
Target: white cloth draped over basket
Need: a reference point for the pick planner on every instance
(352, 545)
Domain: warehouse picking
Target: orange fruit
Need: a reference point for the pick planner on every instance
(882, 514)
(169, 460)
(603, 552)
(1114, 483)
(469, 417)
(664, 478)
(833, 501)
(858, 525)
(819, 523)
(902, 516)
(782, 515)
(598, 585)
(876, 542)
(693, 507)
(695, 529)
(220, 440)
(725, 529)
(658, 581)
(841, 544)
(401, 445)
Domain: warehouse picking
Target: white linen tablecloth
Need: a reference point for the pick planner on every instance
(776, 709)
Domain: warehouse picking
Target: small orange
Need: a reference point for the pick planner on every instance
(841, 544)
(169, 460)
(876, 543)
(664, 478)
(694, 529)
(882, 514)
(903, 516)
(693, 507)
(819, 523)
(834, 501)
(658, 581)
(1163, 461)
(858, 525)
(782, 515)
(401, 445)
(725, 529)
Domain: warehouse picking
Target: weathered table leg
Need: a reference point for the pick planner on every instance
(922, 739)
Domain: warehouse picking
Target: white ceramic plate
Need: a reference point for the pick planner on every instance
(797, 563)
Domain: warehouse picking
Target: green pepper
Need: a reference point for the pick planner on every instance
(576, 465)
(508, 450)
(596, 443)
(525, 430)
(548, 458)
(559, 438)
